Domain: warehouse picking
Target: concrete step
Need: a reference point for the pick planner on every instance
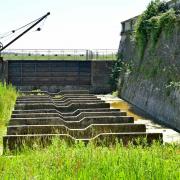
(78, 111)
(58, 103)
(31, 96)
(88, 132)
(75, 113)
(13, 142)
(34, 99)
(64, 98)
(24, 97)
(92, 114)
(58, 93)
(60, 97)
(83, 123)
(68, 118)
(62, 109)
(73, 92)
(56, 100)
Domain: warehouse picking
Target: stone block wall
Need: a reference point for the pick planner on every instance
(155, 85)
(56, 75)
(100, 74)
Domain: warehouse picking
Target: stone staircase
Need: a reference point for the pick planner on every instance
(71, 116)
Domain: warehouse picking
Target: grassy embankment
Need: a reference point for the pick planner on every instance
(8, 95)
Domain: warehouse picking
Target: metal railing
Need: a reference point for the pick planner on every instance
(59, 54)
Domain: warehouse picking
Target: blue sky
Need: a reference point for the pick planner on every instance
(86, 24)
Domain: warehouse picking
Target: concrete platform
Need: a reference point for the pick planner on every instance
(88, 132)
(58, 103)
(17, 141)
(83, 123)
(75, 113)
(70, 108)
(58, 93)
(60, 97)
(63, 100)
(67, 118)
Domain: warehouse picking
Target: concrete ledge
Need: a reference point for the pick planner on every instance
(13, 142)
(56, 103)
(75, 113)
(68, 118)
(70, 108)
(58, 93)
(60, 99)
(86, 121)
(88, 132)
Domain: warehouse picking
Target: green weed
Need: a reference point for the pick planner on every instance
(60, 161)
(155, 19)
(8, 95)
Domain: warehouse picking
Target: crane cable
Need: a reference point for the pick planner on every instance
(41, 25)
(4, 35)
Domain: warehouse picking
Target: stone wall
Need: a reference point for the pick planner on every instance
(100, 74)
(172, 4)
(155, 84)
(56, 75)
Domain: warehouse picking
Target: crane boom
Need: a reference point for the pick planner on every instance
(24, 32)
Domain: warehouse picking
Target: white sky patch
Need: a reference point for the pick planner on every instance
(86, 24)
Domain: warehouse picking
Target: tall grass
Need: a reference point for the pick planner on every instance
(8, 97)
(60, 161)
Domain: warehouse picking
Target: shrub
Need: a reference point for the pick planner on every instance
(150, 24)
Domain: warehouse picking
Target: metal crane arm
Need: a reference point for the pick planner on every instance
(37, 22)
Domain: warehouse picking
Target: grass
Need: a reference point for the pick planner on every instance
(8, 95)
(57, 57)
(60, 161)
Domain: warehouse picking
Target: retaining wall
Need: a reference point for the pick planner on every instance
(153, 85)
(56, 75)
